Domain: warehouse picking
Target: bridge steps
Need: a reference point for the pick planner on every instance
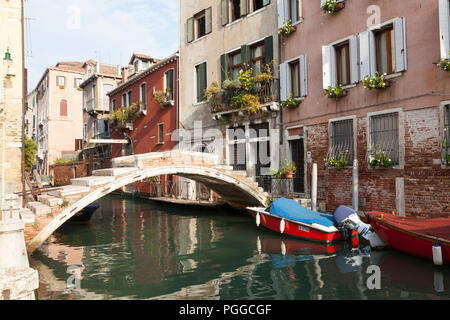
(50, 201)
(114, 172)
(92, 181)
(39, 209)
(69, 191)
(27, 216)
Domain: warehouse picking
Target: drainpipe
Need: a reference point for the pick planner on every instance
(3, 160)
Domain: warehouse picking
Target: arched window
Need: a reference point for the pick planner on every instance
(63, 108)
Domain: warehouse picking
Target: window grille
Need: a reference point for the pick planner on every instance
(341, 140)
(384, 135)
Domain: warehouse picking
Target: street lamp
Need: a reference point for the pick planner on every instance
(7, 60)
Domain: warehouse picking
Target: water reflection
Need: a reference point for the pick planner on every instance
(139, 250)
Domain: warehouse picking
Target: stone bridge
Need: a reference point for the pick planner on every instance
(56, 207)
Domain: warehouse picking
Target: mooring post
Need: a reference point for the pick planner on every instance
(314, 188)
(355, 197)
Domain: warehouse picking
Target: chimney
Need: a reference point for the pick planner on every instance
(97, 67)
(124, 75)
(119, 70)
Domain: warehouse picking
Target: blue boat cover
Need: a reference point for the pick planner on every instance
(342, 213)
(292, 210)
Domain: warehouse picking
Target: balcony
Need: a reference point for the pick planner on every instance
(243, 99)
(93, 106)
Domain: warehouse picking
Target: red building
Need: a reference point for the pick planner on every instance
(148, 96)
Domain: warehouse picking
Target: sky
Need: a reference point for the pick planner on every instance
(109, 31)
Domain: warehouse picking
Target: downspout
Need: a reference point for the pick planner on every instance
(24, 93)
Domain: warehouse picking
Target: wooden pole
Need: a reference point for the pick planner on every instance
(314, 188)
(355, 197)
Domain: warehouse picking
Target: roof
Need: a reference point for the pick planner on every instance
(70, 66)
(145, 73)
(142, 57)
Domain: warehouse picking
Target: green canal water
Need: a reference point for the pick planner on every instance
(142, 250)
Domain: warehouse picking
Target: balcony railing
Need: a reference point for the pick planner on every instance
(92, 105)
(276, 187)
(265, 93)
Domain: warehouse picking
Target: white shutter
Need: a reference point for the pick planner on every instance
(190, 30)
(354, 59)
(284, 81)
(244, 7)
(444, 26)
(282, 5)
(367, 63)
(208, 20)
(224, 8)
(329, 66)
(400, 45)
(303, 76)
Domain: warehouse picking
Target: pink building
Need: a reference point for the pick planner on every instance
(408, 121)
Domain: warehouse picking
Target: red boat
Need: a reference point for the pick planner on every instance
(411, 235)
(292, 219)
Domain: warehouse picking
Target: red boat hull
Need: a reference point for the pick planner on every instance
(298, 230)
(413, 236)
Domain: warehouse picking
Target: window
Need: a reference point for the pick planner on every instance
(136, 66)
(160, 133)
(258, 4)
(384, 135)
(235, 64)
(95, 129)
(199, 25)
(238, 153)
(261, 133)
(124, 100)
(113, 105)
(143, 96)
(201, 79)
(342, 52)
(60, 81)
(385, 50)
(169, 85)
(294, 12)
(294, 68)
(257, 54)
(78, 82)
(107, 87)
(235, 10)
(444, 28)
(130, 98)
(341, 140)
(63, 108)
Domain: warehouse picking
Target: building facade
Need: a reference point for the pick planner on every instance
(149, 98)
(221, 43)
(11, 94)
(98, 81)
(31, 116)
(59, 113)
(398, 133)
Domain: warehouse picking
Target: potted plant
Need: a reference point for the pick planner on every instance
(214, 97)
(375, 82)
(332, 6)
(336, 92)
(61, 86)
(445, 64)
(338, 162)
(381, 159)
(287, 28)
(291, 102)
(289, 169)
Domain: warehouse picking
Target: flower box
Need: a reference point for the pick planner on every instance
(333, 6)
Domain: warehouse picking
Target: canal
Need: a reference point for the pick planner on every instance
(142, 250)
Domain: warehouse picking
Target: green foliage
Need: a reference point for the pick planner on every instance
(287, 28)
(330, 6)
(339, 162)
(31, 149)
(335, 92)
(445, 64)
(375, 82)
(214, 97)
(380, 159)
(125, 114)
(291, 102)
(66, 161)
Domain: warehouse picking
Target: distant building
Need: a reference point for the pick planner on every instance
(12, 87)
(31, 116)
(98, 80)
(153, 94)
(59, 111)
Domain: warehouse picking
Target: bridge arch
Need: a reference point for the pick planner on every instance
(231, 188)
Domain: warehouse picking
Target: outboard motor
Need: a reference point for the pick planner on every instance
(348, 220)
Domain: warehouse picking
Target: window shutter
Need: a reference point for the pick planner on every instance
(366, 54)
(354, 59)
(190, 30)
(246, 57)
(328, 65)
(282, 9)
(400, 45)
(268, 50)
(244, 7)
(202, 82)
(284, 81)
(444, 26)
(224, 12)
(208, 20)
(303, 76)
(224, 66)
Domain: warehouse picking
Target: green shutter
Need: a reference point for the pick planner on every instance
(246, 57)
(224, 12)
(208, 20)
(202, 74)
(268, 50)
(225, 67)
(190, 29)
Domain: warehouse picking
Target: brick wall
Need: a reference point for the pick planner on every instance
(64, 172)
(427, 183)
